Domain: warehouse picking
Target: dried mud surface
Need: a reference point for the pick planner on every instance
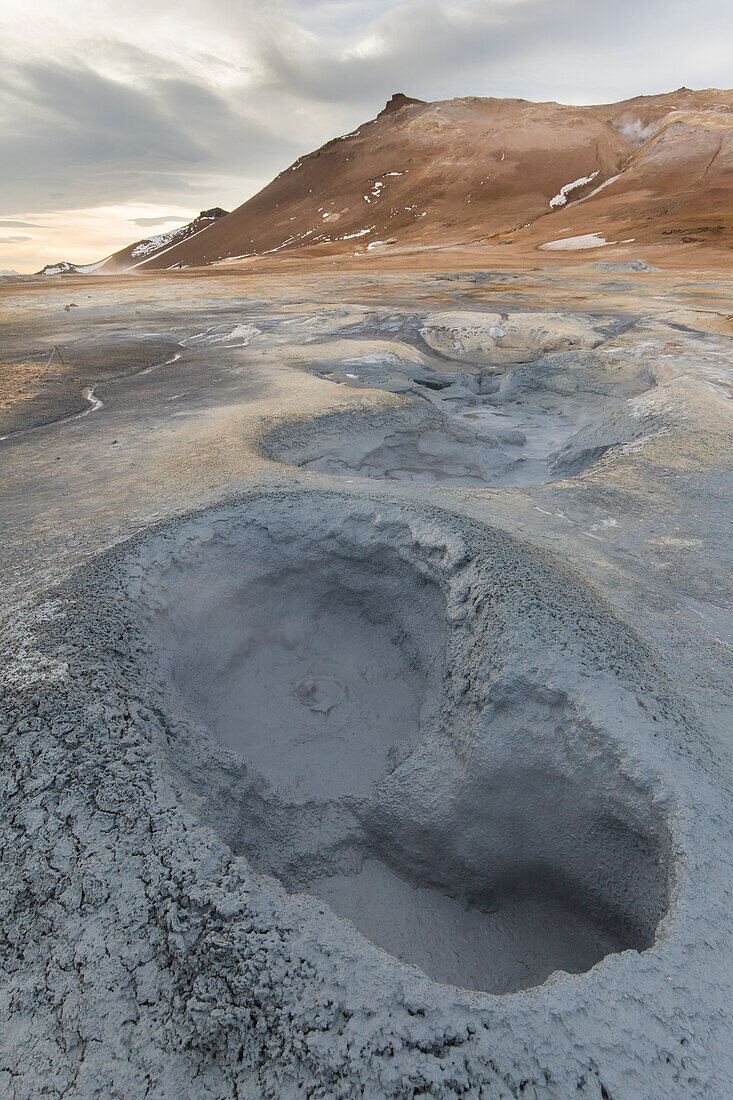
(366, 687)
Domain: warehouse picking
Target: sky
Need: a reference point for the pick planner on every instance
(120, 119)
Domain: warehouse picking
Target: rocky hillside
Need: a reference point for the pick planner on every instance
(540, 176)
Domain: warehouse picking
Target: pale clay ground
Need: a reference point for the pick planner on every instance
(233, 492)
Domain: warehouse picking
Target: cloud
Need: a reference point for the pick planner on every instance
(536, 49)
(70, 131)
(14, 240)
(423, 46)
(146, 223)
(12, 223)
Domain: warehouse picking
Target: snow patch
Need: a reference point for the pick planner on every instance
(597, 190)
(87, 269)
(562, 196)
(360, 233)
(154, 243)
(570, 244)
(65, 268)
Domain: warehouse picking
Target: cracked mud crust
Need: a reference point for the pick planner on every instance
(317, 783)
(202, 949)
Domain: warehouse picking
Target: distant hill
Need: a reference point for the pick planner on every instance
(652, 170)
(136, 254)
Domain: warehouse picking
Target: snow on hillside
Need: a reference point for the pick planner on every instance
(65, 268)
(562, 196)
(152, 244)
(142, 250)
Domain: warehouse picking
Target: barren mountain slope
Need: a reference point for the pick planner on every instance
(420, 173)
(655, 170)
(153, 247)
(471, 170)
(676, 188)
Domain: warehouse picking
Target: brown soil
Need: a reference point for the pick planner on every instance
(19, 381)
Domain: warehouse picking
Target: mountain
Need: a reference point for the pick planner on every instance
(419, 174)
(135, 255)
(654, 170)
(675, 188)
(63, 267)
(158, 247)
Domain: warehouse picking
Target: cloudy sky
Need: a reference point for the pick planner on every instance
(123, 118)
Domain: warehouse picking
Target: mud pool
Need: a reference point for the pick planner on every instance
(320, 647)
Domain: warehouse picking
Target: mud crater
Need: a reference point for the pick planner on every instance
(312, 663)
(482, 446)
(356, 707)
(539, 422)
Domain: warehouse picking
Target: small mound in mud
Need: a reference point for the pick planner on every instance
(356, 706)
(506, 338)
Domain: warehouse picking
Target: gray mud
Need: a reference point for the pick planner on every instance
(316, 789)
(321, 658)
(542, 421)
(313, 662)
(515, 944)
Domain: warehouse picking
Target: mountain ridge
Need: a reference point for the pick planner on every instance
(654, 169)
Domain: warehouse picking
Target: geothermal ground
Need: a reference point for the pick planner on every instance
(366, 671)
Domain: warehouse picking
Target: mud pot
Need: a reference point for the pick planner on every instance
(356, 706)
(540, 421)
